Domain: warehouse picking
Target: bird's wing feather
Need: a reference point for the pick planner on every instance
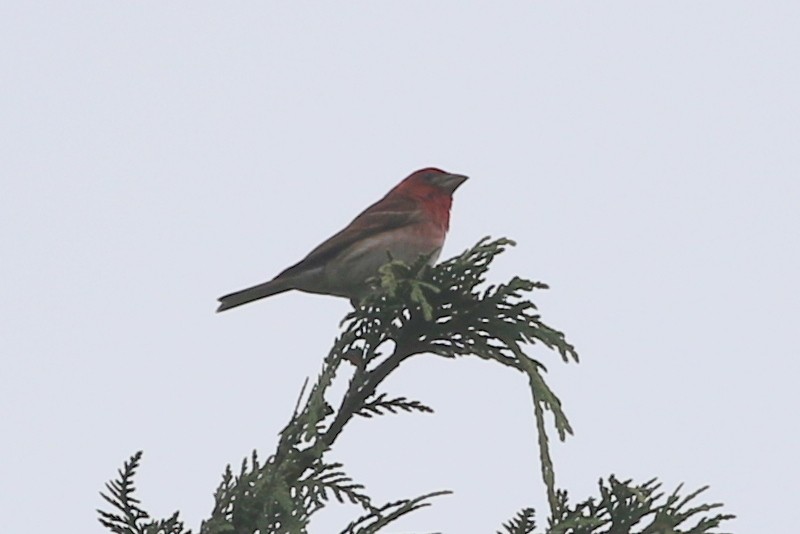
(387, 214)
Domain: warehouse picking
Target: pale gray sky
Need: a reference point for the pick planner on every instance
(157, 155)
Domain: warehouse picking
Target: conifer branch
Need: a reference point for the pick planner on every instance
(415, 310)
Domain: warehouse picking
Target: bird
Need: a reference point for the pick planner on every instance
(410, 221)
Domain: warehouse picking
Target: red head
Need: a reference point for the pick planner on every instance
(434, 189)
(430, 183)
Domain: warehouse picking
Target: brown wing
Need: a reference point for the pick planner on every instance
(387, 214)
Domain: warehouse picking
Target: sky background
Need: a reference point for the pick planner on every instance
(156, 155)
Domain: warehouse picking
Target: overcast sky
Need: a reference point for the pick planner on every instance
(156, 155)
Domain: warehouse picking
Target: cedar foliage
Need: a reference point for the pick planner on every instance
(443, 310)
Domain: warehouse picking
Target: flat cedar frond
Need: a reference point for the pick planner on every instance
(447, 311)
(131, 519)
(522, 523)
(380, 517)
(380, 405)
(461, 318)
(171, 525)
(326, 478)
(624, 508)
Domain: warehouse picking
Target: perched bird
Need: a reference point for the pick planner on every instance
(411, 220)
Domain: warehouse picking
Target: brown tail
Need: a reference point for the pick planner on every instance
(273, 287)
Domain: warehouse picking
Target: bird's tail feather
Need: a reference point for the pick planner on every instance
(250, 294)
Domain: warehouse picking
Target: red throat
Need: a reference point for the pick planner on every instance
(439, 208)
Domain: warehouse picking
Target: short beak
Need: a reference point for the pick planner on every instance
(450, 182)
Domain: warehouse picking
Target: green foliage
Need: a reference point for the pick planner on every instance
(522, 523)
(457, 318)
(262, 498)
(641, 509)
(415, 309)
(380, 405)
(380, 517)
(130, 519)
